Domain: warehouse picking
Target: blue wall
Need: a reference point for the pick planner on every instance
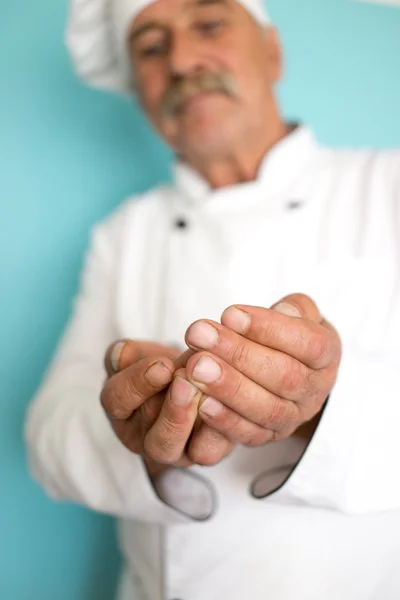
(67, 157)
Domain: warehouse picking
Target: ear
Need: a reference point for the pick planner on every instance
(274, 53)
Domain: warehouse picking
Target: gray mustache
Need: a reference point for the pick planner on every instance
(183, 89)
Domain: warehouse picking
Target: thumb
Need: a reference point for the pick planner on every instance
(120, 355)
(300, 306)
(123, 353)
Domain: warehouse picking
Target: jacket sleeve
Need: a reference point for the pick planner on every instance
(352, 461)
(73, 451)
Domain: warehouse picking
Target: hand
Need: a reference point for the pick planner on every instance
(265, 372)
(206, 446)
(151, 417)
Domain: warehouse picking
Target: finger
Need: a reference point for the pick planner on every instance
(218, 379)
(148, 413)
(207, 446)
(300, 306)
(133, 431)
(313, 344)
(120, 355)
(166, 440)
(124, 353)
(276, 371)
(181, 360)
(300, 303)
(230, 425)
(126, 391)
(129, 433)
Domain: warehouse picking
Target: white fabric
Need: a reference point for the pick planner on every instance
(96, 39)
(332, 530)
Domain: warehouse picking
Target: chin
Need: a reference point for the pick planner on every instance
(207, 122)
(209, 134)
(214, 144)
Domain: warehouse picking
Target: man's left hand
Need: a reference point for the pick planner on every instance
(264, 372)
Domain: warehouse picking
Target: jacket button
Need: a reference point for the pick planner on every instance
(294, 204)
(181, 223)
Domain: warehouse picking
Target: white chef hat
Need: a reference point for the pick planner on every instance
(96, 39)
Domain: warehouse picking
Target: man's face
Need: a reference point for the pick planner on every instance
(204, 71)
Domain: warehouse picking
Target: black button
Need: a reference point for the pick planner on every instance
(181, 223)
(294, 204)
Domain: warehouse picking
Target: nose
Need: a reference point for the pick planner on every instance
(184, 56)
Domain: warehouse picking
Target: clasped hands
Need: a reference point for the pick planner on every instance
(257, 376)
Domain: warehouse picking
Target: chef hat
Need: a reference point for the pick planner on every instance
(96, 38)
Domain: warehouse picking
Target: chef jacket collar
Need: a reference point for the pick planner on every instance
(283, 165)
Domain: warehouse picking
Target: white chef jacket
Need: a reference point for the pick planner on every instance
(278, 522)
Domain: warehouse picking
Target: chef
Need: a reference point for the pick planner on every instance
(248, 315)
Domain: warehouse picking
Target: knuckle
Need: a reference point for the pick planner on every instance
(277, 436)
(114, 402)
(280, 413)
(236, 385)
(201, 456)
(318, 348)
(292, 379)
(257, 438)
(247, 438)
(245, 432)
(163, 445)
(135, 386)
(208, 447)
(152, 450)
(158, 450)
(266, 327)
(240, 354)
(294, 413)
(231, 425)
(320, 384)
(211, 451)
(150, 410)
(171, 426)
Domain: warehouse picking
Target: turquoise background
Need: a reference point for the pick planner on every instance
(68, 156)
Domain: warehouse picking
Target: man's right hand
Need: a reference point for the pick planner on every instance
(153, 409)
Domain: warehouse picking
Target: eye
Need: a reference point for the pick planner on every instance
(209, 27)
(152, 50)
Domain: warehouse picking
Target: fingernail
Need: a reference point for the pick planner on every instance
(207, 370)
(182, 392)
(202, 335)
(287, 309)
(158, 374)
(211, 407)
(236, 319)
(116, 355)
